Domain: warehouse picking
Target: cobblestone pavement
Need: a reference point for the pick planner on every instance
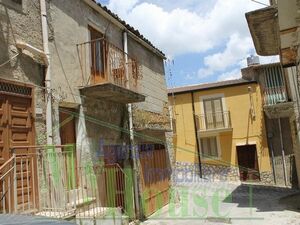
(215, 203)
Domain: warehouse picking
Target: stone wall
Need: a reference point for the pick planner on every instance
(267, 177)
(101, 123)
(187, 172)
(23, 23)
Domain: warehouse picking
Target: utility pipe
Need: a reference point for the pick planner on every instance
(131, 131)
(282, 152)
(196, 134)
(48, 94)
(273, 159)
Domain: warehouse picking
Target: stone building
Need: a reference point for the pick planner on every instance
(274, 31)
(275, 84)
(109, 111)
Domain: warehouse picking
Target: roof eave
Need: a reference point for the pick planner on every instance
(263, 26)
(195, 88)
(99, 9)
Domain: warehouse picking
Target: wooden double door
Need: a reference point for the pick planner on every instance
(16, 135)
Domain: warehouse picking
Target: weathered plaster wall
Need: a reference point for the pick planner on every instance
(23, 23)
(76, 17)
(153, 83)
(153, 113)
(67, 73)
(96, 132)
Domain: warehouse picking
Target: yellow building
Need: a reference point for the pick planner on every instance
(227, 119)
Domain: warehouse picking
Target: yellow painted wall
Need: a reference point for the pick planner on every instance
(244, 131)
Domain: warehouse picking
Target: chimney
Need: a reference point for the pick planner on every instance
(253, 60)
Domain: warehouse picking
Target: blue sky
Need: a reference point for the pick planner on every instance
(205, 40)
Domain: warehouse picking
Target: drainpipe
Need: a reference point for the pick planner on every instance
(48, 94)
(282, 152)
(196, 134)
(131, 131)
(270, 136)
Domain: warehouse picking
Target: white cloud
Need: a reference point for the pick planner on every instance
(191, 26)
(231, 75)
(237, 49)
(181, 30)
(122, 7)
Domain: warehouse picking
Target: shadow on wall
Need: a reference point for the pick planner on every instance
(22, 64)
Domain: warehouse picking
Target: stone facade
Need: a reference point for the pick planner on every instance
(187, 172)
(22, 22)
(220, 173)
(267, 178)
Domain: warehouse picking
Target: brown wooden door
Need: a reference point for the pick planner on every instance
(247, 161)
(17, 132)
(155, 177)
(98, 49)
(4, 153)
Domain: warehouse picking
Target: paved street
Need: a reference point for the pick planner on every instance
(223, 203)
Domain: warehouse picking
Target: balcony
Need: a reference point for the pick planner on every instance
(263, 26)
(214, 122)
(109, 73)
(276, 102)
(274, 95)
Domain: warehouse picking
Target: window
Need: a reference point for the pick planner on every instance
(213, 110)
(209, 147)
(97, 56)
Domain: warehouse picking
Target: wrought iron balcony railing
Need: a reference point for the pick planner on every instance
(102, 62)
(214, 121)
(274, 95)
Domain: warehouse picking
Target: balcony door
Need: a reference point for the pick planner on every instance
(97, 45)
(213, 111)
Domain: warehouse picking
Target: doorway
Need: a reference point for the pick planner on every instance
(67, 129)
(17, 134)
(247, 162)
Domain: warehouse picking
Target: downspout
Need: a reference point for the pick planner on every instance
(282, 153)
(48, 94)
(196, 134)
(131, 131)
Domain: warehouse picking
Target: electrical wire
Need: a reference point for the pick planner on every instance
(260, 2)
(3, 64)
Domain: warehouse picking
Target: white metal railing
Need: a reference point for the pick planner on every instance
(50, 183)
(275, 95)
(102, 62)
(213, 121)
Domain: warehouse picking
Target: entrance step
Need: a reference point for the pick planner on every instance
(58, 214)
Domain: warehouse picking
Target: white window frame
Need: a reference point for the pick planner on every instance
(214, 96)
(219, 150)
